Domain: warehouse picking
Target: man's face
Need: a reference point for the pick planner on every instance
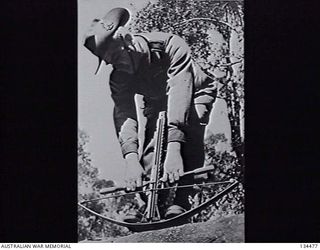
(117, 55)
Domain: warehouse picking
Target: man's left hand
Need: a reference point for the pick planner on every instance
(173, 164)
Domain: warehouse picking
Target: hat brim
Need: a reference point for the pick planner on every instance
(102, 30)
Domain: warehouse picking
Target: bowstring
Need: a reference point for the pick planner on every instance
(156, 189)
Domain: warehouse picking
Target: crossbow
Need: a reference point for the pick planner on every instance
(151, 218)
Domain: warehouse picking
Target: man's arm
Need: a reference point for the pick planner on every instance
(125, 120)
(179, 90)
(205, 94)
(124, 113)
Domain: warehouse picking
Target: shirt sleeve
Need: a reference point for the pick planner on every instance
(207, 87)
(124, 113)
(179, 88)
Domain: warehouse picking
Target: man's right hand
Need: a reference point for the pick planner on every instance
(133, 172)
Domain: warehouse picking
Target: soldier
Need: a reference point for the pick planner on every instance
(159, 67)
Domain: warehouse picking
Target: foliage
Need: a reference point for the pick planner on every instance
(91, 227)
(87, 174)
(226, 168)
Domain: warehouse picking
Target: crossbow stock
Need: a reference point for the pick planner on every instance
(151, 219)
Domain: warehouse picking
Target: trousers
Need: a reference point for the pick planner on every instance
(192, 150)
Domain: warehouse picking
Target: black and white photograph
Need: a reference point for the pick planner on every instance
(161, 121)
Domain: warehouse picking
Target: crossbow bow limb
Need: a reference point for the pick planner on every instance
(151, 219)
(175, 221)
(155, 225)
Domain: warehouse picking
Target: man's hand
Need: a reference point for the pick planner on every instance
(173, 164)
(133, 172)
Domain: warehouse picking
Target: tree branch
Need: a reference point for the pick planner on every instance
(229, 64)
(206, 19)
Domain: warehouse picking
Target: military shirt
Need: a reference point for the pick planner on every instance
(168, 79)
